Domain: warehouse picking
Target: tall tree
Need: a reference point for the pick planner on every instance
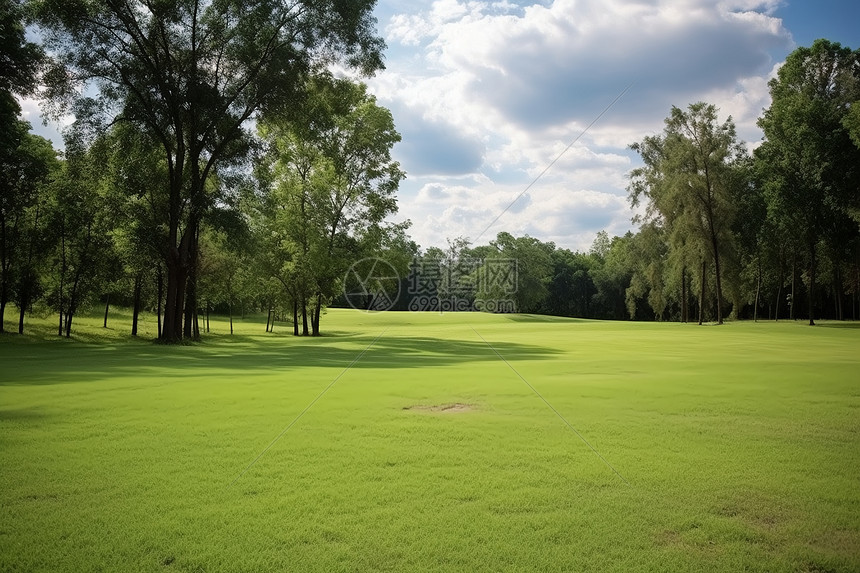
(812, 166)
(25, 172)
(136, 180)
(35, 174)
(20, 60)
(337, 182)
(81, 226)
(19, 66)
(687, 183)
(192, 73)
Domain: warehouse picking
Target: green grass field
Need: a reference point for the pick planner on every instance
(733, 448)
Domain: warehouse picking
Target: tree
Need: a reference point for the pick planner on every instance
(24, 175)
(334, 185)
(571, 288)
(19, 65)
(81, 226)
(135, 180)
(529, 262)
(611, 275)
(648, 260)
(34, 174)
(20, 60)
(688, 184)
(191, 74)
(811, 166)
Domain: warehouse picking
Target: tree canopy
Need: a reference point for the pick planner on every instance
(191, 74)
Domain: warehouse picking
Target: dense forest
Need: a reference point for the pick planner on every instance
(216, 164)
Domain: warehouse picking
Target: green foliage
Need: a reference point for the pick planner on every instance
(531, 261)
(648, 258)
(687, 183)
(190, 76)
(83, 257)
(612, 276)
(20, 60)
(328, 183)
(810, 167)
(27, 165)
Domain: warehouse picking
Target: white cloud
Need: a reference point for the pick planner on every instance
(488, 94)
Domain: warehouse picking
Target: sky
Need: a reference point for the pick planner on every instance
(517, 115)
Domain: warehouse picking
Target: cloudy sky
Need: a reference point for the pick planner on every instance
(488, 94)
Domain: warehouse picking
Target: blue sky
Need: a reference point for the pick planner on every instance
(487, 93)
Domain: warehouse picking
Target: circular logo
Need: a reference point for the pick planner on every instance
(371, 284)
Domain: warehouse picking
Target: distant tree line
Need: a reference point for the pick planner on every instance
(222, 167)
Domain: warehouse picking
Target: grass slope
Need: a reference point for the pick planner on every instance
(739, 444)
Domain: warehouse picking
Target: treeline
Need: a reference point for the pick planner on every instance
(165, 200)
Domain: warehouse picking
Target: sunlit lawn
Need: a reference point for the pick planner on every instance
(708, 448)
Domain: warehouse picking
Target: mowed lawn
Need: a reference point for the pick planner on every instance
(654, 447)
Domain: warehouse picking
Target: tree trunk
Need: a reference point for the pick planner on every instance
(757, 290)
(792, 316)
(168, 332)
(719, 293)
(62, 274)
(207, 316)
(304, 317)
(136, 312)
(702, 296)
(839, 289)
(191, 329)
(295, 317)
(4, 275)
(24, 297)
(160, 294)
(684, 295)
(268, 318)
(73, 302)
(174, 304)
(107, 308)
(811, 293)
(21, 312)
(778, 296)
(316, 315)
(69, 316)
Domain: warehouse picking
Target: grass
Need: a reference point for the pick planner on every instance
(736, 447)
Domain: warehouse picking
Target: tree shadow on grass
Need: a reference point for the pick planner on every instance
(837, 324)
(44, 364)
